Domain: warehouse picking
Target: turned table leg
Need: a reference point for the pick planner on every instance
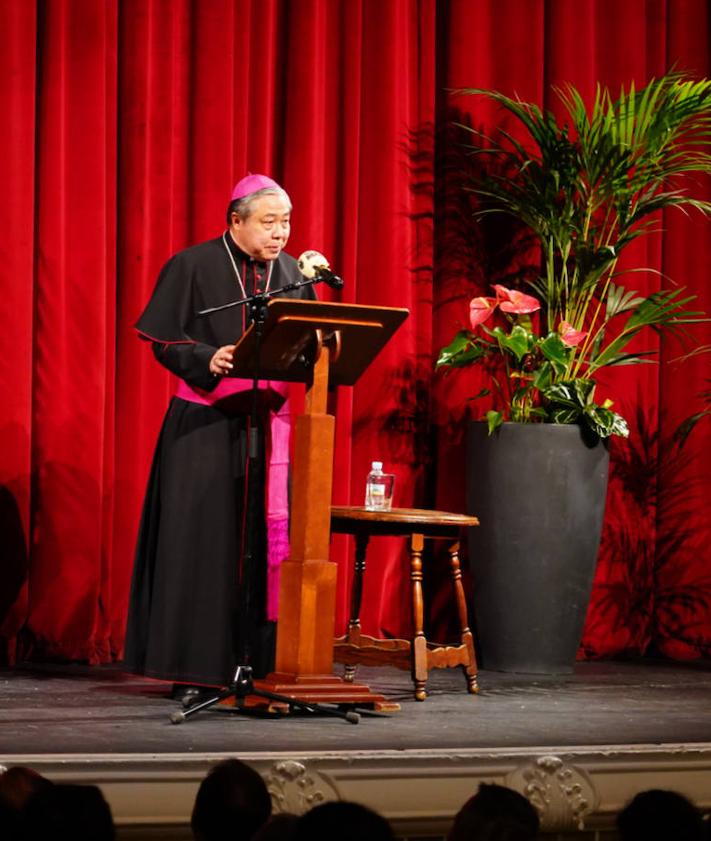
(419, 642)
(353, 634)
(467, 639)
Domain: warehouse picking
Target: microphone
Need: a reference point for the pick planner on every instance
(314, 265)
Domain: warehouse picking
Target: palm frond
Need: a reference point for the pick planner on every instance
(586, 188)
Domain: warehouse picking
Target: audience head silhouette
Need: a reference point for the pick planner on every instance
(67, 812)
(495, 813)
(342, 821)
(232, 802)
(278, 828)
(18, 784)
(659, 814)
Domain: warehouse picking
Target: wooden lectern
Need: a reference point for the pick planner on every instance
(320, 344)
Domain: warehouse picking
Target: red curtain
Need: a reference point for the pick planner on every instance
(126, 124)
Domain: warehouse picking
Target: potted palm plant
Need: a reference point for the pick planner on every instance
(585, 188)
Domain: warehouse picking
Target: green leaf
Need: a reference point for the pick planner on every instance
(686, 427)
(538, 412)
(520, 394)
(661, 310)
(555, 351)
(605, 422)
(584, 391)
(458, 344)
(620, 300)
(494, 420)
(563, 394)
(483, 393)
(518, 342)
(543, 376)
(463, 350)
(632, 358)
(565, 416)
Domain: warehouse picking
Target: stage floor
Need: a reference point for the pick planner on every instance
(607, 730)
(70, 709)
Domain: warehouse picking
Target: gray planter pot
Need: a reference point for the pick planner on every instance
(539, 492)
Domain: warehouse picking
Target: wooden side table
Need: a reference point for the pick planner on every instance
(418, 655)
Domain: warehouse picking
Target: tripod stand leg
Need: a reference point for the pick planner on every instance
(241, 681)
(242, 687)
(179, 716)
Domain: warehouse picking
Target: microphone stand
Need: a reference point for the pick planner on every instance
(242, 684)
(263, 297)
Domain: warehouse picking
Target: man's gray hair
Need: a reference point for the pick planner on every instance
(243, 207)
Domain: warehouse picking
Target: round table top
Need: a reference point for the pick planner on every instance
(404, 516)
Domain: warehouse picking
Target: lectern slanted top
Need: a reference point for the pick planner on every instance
(290, 339)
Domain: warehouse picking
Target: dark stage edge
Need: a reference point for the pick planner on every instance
(70, 709)
(582, 744)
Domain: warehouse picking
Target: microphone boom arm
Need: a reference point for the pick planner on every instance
(260, 297)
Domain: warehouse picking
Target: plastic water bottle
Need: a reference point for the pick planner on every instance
(378, 488)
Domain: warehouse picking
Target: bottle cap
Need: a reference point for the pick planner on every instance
(377, 465)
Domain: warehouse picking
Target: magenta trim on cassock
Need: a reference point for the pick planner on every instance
(277, 551)
(226, 387)
(277, 493)
(277, 504)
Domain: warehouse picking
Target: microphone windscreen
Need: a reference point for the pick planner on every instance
(310, 261)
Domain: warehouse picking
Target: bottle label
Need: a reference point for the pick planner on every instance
(376, 497)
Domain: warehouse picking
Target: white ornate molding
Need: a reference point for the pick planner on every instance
(151, 795)
(295, 788)
(563, 794)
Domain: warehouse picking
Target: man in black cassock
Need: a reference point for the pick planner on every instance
(184, 622)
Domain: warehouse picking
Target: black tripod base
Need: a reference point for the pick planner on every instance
(246, 696)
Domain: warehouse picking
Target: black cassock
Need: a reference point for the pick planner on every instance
(183, 620)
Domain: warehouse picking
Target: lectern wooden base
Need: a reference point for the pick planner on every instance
(318, 689)
(326, 689)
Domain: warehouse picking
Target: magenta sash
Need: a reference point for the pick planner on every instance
(277, 500)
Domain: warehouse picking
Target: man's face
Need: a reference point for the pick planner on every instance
(264, 233)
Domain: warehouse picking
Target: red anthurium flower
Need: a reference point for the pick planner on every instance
(480, 309)
(570, 335)
(511, 300)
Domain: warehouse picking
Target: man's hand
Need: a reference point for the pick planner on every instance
(221, 362)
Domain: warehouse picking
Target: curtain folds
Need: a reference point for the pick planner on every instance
(127, 124)
(17, 170)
